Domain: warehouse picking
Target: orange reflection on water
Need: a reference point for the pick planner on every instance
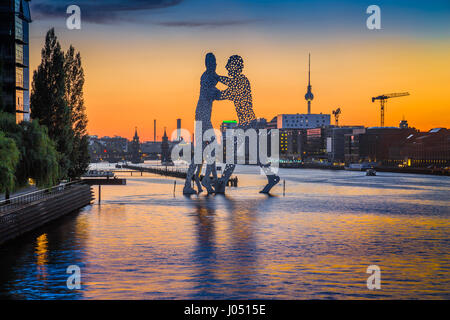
(316, 242)
(42, 256)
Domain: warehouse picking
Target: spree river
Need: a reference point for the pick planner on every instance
(315, 242)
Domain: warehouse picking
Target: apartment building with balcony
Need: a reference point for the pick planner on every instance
(14, 56)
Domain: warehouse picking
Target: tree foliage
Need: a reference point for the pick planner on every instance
(9, 158)
(1, 83)
(38, 158)
(48, 100)
(74, 96)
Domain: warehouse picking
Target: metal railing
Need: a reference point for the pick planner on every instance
(23, 199)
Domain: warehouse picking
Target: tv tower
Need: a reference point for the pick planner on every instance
(309, 96)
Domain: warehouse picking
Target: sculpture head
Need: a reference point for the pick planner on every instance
(210, 62)
(235, 65)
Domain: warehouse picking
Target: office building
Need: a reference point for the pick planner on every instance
(14, 52)
(381, 145)
(302, 121)
(151, 150)
(316, 145)
(292, 144)
(426, 149)
(336, 142)
(227, 124)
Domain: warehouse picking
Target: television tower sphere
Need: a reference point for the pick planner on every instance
(309, 96)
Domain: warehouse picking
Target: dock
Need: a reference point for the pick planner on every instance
(103, 181)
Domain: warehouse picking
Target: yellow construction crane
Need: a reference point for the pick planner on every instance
(383, 99)
(336, 114)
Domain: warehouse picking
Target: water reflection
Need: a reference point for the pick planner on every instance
(242, 244)
(41, 257)
(34, 267)
(205, 249)
(316, 242)
(226, 263)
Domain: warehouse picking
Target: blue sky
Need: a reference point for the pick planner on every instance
(401, 16)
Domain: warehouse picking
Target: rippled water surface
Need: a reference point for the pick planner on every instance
(144, 242)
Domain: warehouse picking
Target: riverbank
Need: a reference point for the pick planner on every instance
(30, 211)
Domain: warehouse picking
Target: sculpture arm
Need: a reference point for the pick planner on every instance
(224, 80)
(224, 95)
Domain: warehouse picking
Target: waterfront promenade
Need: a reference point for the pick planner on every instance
(26, 212)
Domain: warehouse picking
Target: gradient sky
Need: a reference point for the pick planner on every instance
(143, 59)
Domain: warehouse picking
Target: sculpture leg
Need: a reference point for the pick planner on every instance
(227, 172)
(187, 184)
(210, 164)
(272, 179)
(206, 182)
(197, 178)
(214, 172)
(223, 181)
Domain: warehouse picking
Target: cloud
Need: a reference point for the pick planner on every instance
(219, 23)
(98, 11)
(111, 11)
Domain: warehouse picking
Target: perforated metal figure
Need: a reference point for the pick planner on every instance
(208, 93)
(239, 91)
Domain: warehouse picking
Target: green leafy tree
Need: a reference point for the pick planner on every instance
(9, 126)
(9, 158)
(48, 100)
(74, 96)
(38, 158)
(1, 83)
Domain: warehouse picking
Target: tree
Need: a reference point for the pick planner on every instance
(74, 96)
(9, 158)
(38, 158)
(9, 126)
(48, 100)
(1, 83)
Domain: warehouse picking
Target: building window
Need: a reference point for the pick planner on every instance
(19, 28)
(19, 77)
(19, 100)
(19, 53)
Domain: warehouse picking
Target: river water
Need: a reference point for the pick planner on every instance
(315, 242)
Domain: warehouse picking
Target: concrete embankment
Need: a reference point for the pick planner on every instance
(29, 212)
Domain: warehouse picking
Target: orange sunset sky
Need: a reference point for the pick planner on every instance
(138, 71)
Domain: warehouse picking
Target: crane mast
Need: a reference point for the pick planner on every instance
(336, 114)
(383, 99)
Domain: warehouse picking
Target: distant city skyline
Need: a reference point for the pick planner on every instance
(145, 63)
